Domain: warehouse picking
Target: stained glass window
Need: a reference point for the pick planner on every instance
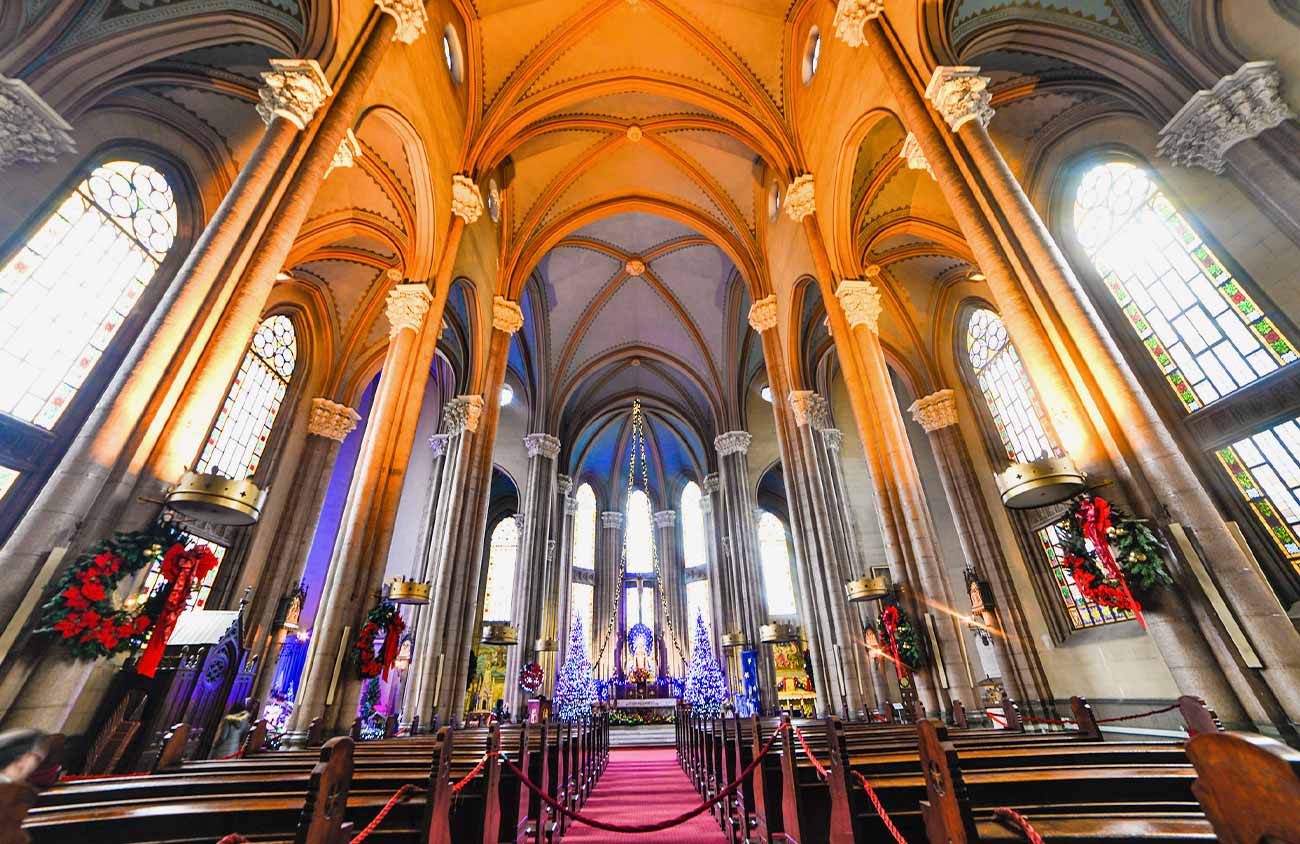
(82, 272)
(1203, 330)
(639, 537)
(693, 550)
(584, 529)
(640, 604)
(1265, 467)
(582, 600)
(1082, 612)
(697, 602)
(503, 555)
(199, 596)
(1017, 413)
(774, 558)
(238, 437)
(8, 477)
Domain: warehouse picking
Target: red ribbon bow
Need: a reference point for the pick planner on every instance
(182, 567)
(889, 620)
(1094, 513)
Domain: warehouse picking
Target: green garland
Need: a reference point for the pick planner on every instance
(1137, 550)
(909, 644)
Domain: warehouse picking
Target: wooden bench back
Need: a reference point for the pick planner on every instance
(1249, 786)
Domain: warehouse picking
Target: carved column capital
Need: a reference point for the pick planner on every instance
(912, 154)
(438, 444)
(410, 15)
(466, 200)
(800, 198)
(473, 412)
(834, 438)
(733, 442)
(935, 411)
(506, 315)
(851, 15)
(762, 314)
(860, 300)
(462, 414)
(564, 484)
(294, 89)
(665, 518)
(611, 519)
(809, 408)
(542, 444)
(30, 130)
(1238, 107)
(407, 305)
(960, 95)
(711, 484)
(347, 154)
(331, 420)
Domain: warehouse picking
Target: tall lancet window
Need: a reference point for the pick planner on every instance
(693, 551)
(503, 555)
(774, 559)
(640, 535)
(66, 292)
(1022, 429)
(584, 529)
(234, 446)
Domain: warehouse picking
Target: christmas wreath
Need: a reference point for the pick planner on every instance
(383, 617)
(530, 678)
(899, 636)
(83, 615)
(1111, 554)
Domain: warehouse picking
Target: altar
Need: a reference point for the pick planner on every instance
(650, 708)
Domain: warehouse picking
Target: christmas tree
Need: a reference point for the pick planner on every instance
(706, 689)
(575, 689)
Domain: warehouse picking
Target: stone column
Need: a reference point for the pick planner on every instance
(902, 484)
(676, 632)
(352, 582)
(719, 608)
(566, 608)
(1021, 671)
(1145, 444)
(609, 585)
(328, 426)
(532, 576)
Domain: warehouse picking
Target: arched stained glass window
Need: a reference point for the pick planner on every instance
(693, 549)
(1265, 467)
(697, 603)
(774, 557)
(1011, 399)
(82, 272)
(584, 529)
(238, 437)
(582, 601)
(1202, 329)
(503, 555)
(639, 536)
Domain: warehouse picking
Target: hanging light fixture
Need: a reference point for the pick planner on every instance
(733, 640)
(206, 497)
(403, 591)
(1040, 483)
(778, 632)
(499, 633)
(867, 588)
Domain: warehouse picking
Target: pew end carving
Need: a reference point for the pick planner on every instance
(174, 744)
(1249, 786)
(324, 813)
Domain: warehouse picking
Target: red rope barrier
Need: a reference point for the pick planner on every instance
(996, 719)
(1112, 720)
(455, 789)
(880, 810)
(398, 797)
(238, 753)
(1019, 822)
(821, 772)
(82, 777)
(233, 838)
(638, 828)
(1060, 722)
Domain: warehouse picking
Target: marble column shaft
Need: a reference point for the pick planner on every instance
(720, 621)
(608, 589)
(565, 611)
(672, 584)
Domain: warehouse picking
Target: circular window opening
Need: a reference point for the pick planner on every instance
(773, 201)
(812, 54)
(507, 394)
(494, 200)
(452, 53)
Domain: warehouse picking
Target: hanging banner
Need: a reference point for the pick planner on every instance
(747, 702)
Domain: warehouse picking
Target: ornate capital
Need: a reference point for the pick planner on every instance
(665, 518)
(611, 519)
(1238, 107)
(762, 314)
(809, 408)
(935, 411)
(542, 444)
(407, 305)
(506, 315)
(711, 484)
(733, 442)
(564, 484)
(960, 95)
(30, 130)
(331, 420)
(462, 414)
(473, 412)
(410, 15)
(466, 201)
(347, 154)
(635, 267)
(851, 16)
(834, 438)
(438, 444)
(294, 89)
(860, 301)
(913, 155)
(800, 198)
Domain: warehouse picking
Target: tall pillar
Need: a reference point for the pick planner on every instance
(532, 575)
(564, 615)
(609, 586)
(438, 460)
(352, 581)
(861, 303)
(961, 98)
(719, 609)
(674, 631)
(328, 426)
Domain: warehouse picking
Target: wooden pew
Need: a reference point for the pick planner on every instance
(1249, 786)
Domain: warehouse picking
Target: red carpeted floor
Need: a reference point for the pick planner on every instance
(643, 786)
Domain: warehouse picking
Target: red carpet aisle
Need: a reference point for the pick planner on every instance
(643, 786)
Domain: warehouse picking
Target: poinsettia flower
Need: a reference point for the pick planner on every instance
(94, 590)
(73, 597)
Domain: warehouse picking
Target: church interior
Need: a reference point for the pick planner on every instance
(748, 421)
